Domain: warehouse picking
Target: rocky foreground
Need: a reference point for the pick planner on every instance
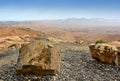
(76, 65)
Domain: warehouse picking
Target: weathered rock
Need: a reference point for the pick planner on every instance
(10, 43)
(117, 60)
(36, 58)
(10, 40)
(105, 53)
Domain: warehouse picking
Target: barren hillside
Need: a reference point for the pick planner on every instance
(15, 31)
(89, 31)
(72, 30)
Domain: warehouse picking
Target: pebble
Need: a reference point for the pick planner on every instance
(1, 80)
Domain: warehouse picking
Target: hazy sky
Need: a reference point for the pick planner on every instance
(58, 9)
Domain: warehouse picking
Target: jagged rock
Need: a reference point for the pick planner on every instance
(11, 43)
(117, 60)
(117, 45)
(10, 40)
(36, 58)
(105, 53)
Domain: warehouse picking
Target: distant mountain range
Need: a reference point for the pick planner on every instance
(92, 20)
(8, 23)
(99, 21)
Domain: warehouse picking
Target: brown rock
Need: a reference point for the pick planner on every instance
(104, 52)
(36, 58)
(10, 43)
(117, 60)
(12, 40)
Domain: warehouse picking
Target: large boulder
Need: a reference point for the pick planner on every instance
(38, 58)
(106, 53)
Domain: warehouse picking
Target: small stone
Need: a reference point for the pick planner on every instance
(64, 78)
(1, 80)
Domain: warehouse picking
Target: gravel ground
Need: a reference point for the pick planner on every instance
(76, 65)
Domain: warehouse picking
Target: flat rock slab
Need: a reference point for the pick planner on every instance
(39, 59)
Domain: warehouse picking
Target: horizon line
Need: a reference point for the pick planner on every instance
(5, 20)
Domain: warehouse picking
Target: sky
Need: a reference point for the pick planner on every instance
(21, 10)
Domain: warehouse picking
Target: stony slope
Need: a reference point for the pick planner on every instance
(77, 65)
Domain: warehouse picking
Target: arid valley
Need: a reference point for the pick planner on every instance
(88, 30)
